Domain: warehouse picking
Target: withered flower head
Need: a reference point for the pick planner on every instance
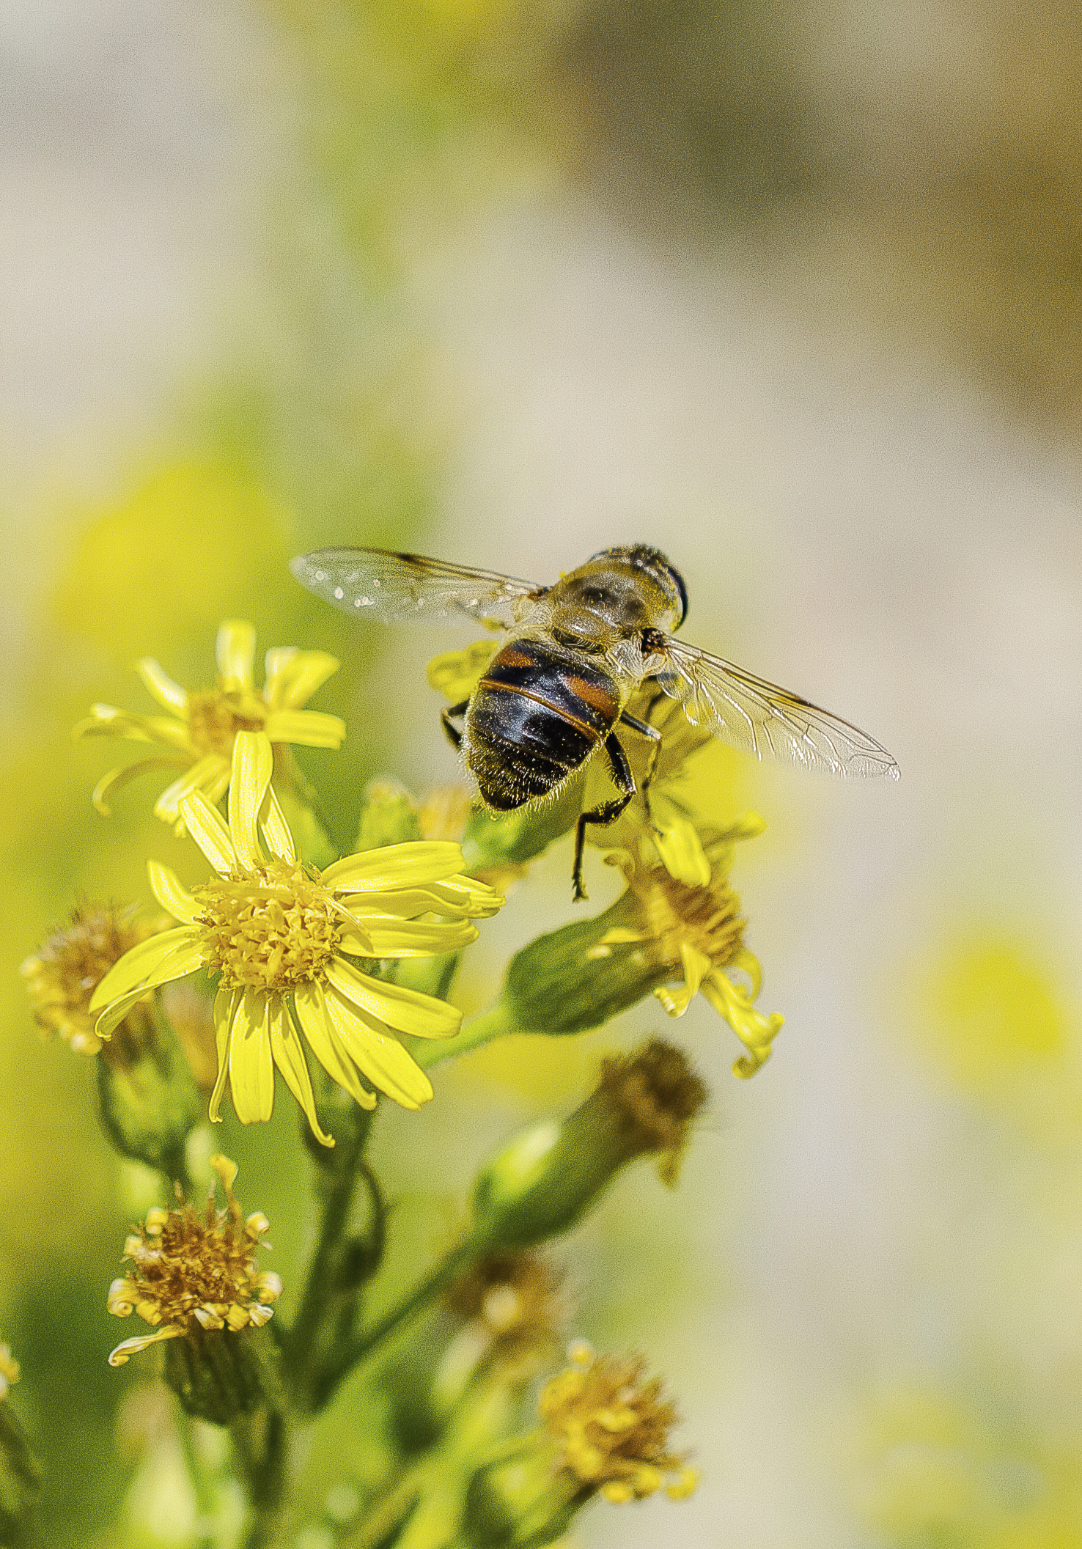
(195, 1269)
(514, 1297)
(613, 1427)
(63, 973)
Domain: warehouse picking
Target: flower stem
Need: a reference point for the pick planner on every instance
(328, 1302)
(261, 1448)
(478, 1030)
(395, 1318)
(206, 1496)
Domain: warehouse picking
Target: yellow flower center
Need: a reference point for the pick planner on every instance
(706, 918)
(214, 718)
(271, 928)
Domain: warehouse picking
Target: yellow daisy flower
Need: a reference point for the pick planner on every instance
(195, 1269)
(697, 931)
(279, 936)
(613, 1427)
(199, 729)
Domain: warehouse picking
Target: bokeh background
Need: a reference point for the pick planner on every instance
(792, 291)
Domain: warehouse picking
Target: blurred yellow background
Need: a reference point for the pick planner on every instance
(792, 292)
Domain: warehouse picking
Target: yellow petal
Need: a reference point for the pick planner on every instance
(696, 966)
(253, 765)
(293, 676)
(395, 865)
(171, 893)
(205, 825)
(377, 1053)
(225, 1010)
(289, 1057)
(160, 686)
(185, 958)
(309, 728)
(311, 1004)
(276, 829)
(251, 1065)
(117, 779)
(201, 774)
(678, 844)
(124, 1352)
(415, 938)
(235, 651)
(755, 1031)
(108, 721)
(137, 965)
(407, 1010)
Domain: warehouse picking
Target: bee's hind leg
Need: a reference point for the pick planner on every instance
(608, 811)
(454, 736)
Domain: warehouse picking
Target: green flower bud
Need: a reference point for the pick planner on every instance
(148, 1098)
(572, 980)
(494, 840)
(546, 1179)
(219, 1375)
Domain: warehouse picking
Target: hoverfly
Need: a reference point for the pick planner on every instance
(558, 687)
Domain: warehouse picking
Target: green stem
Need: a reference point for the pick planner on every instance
(478, 1030)
(390, 1513)
(261, 1447)
(321, 1301)
(203, 1487)
(420, 1297)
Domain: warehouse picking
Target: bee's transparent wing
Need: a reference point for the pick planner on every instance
(411, 589)
(760, 717)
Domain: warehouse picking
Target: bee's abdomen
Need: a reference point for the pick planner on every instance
(536, 715)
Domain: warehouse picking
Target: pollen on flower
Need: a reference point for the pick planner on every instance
(63, 973)
(195, 1266)
(675, 916)
(270, 928)
(612, 1427)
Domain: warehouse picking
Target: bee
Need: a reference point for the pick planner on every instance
(558, 687)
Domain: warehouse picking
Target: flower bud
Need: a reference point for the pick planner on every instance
(571, 980)
(546, 1179)
(149, 1100)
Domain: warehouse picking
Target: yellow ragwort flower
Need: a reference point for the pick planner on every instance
(698, 932)
(613, 1427)
(63, 973)
(279, 934)
(199, 729)
(195, 1266)
(9, 1371)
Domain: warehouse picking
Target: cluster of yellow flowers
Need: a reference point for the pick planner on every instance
(279, 935)
(307, 975)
